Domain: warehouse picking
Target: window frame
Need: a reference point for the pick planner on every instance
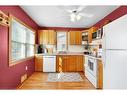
(12, 63)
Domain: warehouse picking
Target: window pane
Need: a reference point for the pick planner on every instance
(18, 32)
(30, 50)
(18, 51)
(61, 41)
(30, 37)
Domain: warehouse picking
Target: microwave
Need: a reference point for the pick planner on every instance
(97, 34)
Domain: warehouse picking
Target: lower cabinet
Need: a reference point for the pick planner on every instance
(80, 62)
(61, 65)
(69, 63)
(38, 63)
(64, 63)
(100, 74)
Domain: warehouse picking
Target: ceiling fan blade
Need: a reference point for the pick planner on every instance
(80, 8)
(69, 11)
(86, 15)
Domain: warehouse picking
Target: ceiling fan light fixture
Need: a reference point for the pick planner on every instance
(73, 17)
(78, 17)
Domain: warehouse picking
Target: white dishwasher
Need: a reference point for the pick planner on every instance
(49, 63)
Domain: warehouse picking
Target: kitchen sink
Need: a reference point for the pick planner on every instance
(62, 52)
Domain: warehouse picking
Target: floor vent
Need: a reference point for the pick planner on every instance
(23, 78)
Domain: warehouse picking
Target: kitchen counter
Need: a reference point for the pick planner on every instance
(69, 53)
(62, 53)
(98, 58)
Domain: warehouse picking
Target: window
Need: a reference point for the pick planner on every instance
(22, 40)
(61, 41)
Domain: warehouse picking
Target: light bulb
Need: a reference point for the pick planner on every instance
(78, 17)
(73, 17)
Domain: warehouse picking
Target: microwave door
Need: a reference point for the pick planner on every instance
(94, 35)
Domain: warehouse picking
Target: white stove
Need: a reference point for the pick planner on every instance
(91, 69)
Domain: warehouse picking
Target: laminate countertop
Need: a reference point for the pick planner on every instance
(61, 53)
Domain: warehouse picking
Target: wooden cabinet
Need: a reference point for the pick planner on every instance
(75, 63)
(38, 63)
(100, 74)
(61, 63)
(52, 37)
(70, 63)
(90, 31)
(78, 37)
(47, 37)
(40, 35)
(80, 62)
(75, 37)
(72, 37)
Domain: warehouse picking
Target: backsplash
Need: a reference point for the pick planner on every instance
(76, 48)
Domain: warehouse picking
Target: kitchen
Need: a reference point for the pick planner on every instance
(62, 55)
(70, 52)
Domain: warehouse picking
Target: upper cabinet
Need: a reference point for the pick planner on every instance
(72, 37)
(47, 37)
(90, 31)
(75, 37)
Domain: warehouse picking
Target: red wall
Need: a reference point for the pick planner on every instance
(10, 76)
(122, 10)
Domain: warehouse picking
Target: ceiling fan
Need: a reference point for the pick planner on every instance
(76, 13)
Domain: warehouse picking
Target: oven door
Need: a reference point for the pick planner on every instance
(92, 66)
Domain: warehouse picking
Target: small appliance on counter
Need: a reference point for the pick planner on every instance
(45, 50)
(40, 49)
(87, 52)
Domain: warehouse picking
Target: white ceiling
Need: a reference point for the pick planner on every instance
(56, 16)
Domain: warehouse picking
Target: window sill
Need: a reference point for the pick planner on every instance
(12, 63)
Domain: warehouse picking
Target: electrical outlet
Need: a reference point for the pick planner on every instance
(26, 68)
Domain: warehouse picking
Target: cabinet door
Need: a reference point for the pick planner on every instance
(71, 63)
(100, 74)
(72, 37)
(61, 63)
(38, 63)
(45, 36)
(78, 38)
(40, 37)
(64, 63)
(79, 63)
(52, 37)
